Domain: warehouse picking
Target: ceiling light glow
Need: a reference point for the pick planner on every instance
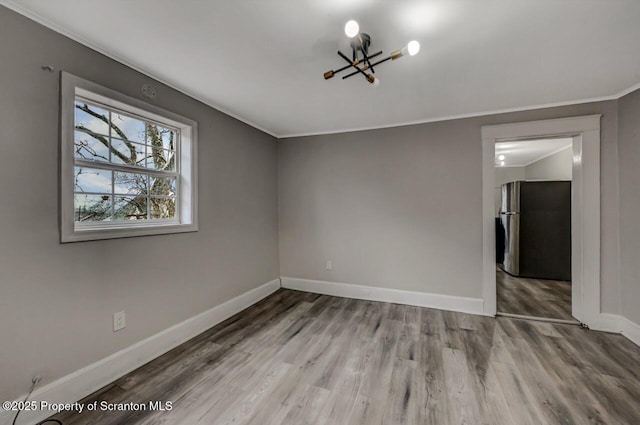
(351, 28)
(501, 157)
(502, 163)
(424, 17)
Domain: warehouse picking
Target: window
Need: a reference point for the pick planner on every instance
(128, 168)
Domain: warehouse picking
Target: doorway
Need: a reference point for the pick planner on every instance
(533, 228)
(585, 206)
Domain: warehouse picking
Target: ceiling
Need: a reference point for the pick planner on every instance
(524, 152)
(262, 60)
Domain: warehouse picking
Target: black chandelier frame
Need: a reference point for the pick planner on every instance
(361, 59)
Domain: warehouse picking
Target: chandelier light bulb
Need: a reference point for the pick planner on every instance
(351, 28)
(501, 157)
(413, 47)
(376, 82)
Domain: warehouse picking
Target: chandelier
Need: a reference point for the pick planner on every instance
(360, 62)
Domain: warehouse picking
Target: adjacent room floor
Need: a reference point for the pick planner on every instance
(300, 358)
(533, 297)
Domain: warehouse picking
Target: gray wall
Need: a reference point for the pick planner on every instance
(558, 166)
(402, 207)
(57, 301)
(629, 144)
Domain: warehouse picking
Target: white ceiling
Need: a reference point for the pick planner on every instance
(262, 60)
(524, 152)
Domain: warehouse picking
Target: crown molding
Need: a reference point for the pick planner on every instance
(461, 116)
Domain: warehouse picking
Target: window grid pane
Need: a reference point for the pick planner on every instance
(131, 208)
(91, 208)
(92, 180)
(91, 147)
(87, 122)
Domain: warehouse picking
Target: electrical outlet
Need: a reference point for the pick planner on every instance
(329, 265)
(119, 321)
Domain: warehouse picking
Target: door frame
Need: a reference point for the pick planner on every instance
(585, 207)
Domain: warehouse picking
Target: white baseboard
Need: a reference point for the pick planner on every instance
(85, 381)
(618, 324)
(606, 322)
(397, 296)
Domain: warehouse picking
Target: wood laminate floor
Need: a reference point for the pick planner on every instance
(299, 358)
(533, 297)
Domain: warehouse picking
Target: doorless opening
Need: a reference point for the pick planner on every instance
(585, 202)
(533, 229)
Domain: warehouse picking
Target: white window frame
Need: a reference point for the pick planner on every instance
(186, 151)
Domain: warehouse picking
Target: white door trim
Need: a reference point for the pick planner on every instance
(585, 215)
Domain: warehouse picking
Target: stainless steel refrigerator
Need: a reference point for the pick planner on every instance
(536, 220)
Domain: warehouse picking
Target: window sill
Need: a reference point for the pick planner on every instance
(93, 234)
